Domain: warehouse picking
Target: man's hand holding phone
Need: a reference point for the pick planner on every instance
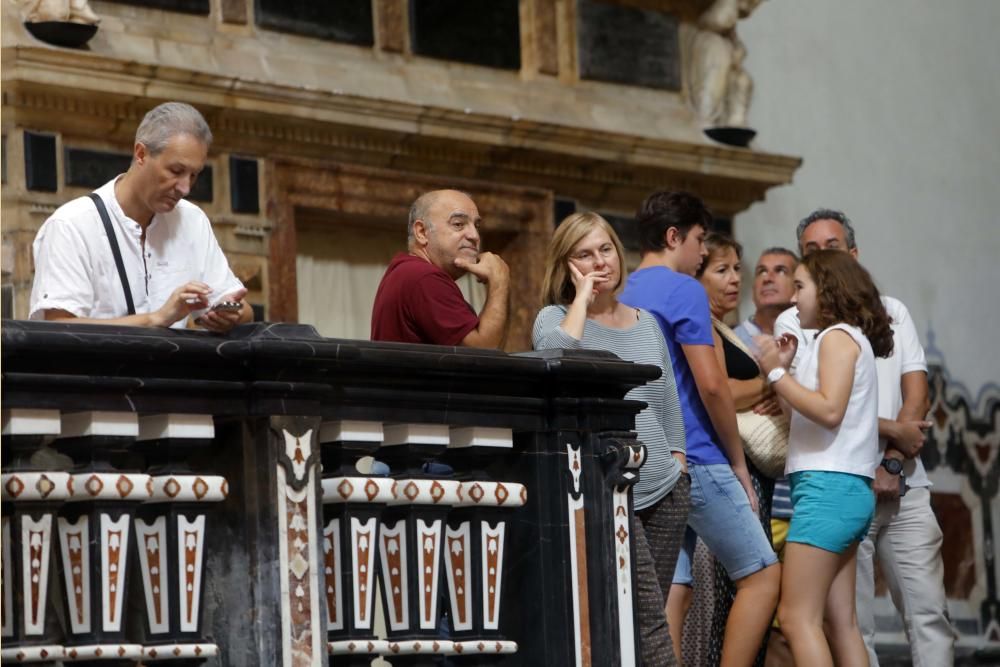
(225, 314)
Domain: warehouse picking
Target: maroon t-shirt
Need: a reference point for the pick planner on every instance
(417, 302)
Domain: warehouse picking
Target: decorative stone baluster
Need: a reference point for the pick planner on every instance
(352, 505)
(411, 540)
(170, 536)
(475, 540)
(95, 534)
(31, 493)
(624, 455)
(299, 517)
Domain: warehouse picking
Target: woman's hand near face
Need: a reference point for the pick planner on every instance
(775, 352)
(586, 285)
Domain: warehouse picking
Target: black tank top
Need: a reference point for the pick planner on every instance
(739, 366)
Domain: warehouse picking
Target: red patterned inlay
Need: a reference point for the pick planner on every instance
(457, 546)
(428, 566)
(36, 540)
(345, 489)
(172, 487)
(394, 556)
(492, 576)
(124, 486)
(44, 486)
(151, 543)
(114, 565)
(363, 576)
(330, 557)
(476, 493)
(200, 488)
(93, 485)
(76, 546)
(410, 491)
(501, 494)
(371, 489)
(622, 534)
(14, 486)
(437, 491)
(190, 565)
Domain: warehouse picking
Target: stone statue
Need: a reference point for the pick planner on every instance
(718, 87)
(71, 11)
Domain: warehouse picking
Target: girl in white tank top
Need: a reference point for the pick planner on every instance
(833, 451)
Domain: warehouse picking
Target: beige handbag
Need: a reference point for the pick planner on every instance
(765, 437)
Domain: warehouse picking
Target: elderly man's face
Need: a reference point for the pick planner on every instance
(825, 235)
(168, 177)
(772, 282)
(453, 231)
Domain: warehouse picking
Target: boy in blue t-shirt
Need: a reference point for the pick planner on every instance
(672, 228)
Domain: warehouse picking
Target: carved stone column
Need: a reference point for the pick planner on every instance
(171, 531)
(353, 505)
(299, 515)
(31, 493)
(95, 535)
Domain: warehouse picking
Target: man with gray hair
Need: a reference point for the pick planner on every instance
(135, 252)
(904, 532)
(418, 300)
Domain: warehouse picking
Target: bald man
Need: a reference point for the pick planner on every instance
(418, 300)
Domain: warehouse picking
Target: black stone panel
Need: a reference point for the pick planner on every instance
(626, 228)
(243, 185)
(92, 169)
(627, 45)
(40, 162)
(186, 6)
(202, 190)
(480, 33)
(347, 21)
(561, 208)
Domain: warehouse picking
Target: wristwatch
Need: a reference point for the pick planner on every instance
(775, 374)
(892, 466)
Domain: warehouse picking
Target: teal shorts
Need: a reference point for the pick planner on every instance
(830, 510)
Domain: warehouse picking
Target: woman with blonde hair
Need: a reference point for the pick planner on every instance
(584, 272)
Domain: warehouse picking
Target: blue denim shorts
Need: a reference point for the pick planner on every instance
(722, 517)
(830, 510)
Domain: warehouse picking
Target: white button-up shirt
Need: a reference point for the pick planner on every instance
(75, 270)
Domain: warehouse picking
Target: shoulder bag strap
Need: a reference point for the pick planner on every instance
(113, 240)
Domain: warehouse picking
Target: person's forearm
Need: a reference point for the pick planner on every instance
(576, 318)
(137, 320)
(747, 393)
(493, 321)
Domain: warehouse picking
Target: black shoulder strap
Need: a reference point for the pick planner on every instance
(113, 240)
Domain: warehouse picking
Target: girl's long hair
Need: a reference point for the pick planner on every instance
(846, 293)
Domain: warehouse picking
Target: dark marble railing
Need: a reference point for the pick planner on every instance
(182, 497)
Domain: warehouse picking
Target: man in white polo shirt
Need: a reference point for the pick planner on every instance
(904, 532)
(161, 262)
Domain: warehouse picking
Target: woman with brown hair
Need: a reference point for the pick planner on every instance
(833, 452)
(584, 271)
(720, 275)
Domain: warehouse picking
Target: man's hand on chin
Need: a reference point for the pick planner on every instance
(488, 269)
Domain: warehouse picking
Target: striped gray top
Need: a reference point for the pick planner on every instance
(660, 425)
